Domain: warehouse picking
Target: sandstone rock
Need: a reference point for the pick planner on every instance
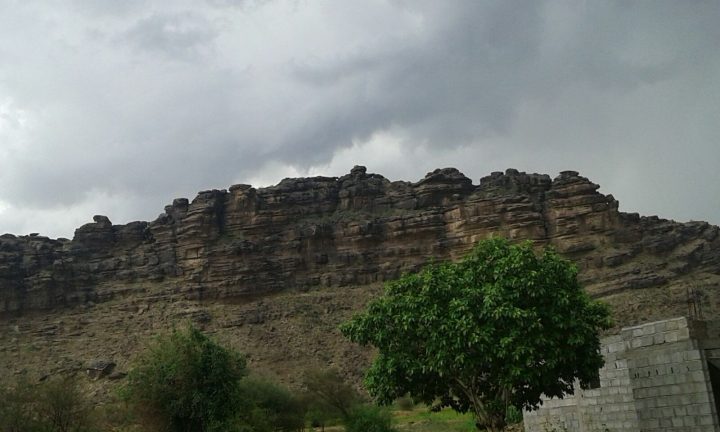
(356, 229)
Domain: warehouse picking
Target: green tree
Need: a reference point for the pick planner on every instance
(497, 329)
(186, 382)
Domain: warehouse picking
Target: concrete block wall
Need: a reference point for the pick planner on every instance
(610, 407)
(556, 415)
(669, 376)
(655, 379)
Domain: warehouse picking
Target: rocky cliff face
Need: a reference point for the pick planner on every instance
(273, 271)
(354, 230)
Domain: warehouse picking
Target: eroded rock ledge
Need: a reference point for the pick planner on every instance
(356, 229)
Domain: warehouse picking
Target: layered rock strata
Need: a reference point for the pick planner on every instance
(357, 229)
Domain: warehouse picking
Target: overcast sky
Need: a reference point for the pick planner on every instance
(117, 107)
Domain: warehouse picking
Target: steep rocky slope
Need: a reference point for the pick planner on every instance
(286, 263)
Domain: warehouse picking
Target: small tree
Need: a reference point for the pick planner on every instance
(63, 405)
(55, 405)
(499, 328)
(187, 382)
(18, 410)
(329, 392)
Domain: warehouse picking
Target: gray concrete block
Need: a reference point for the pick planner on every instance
(654, 379)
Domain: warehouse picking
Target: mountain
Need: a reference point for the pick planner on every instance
(272, 271)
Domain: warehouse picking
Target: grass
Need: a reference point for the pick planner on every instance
(420, 419)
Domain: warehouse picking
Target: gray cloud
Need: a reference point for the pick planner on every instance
(184, 36)
(110, 107)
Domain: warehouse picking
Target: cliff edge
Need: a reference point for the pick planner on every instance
(357, 229)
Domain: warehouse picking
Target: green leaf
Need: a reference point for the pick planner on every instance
(501, 326)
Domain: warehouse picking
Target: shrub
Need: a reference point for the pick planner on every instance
(513, 415)
(63, 406)
(369, 418)
(17, 413)
(55, 405)
(187, 382)
(328, 392)
(274, 406)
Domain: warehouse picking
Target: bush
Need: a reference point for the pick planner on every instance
(187, 382)
(513, 415)
(275, 408)
(17, 412)
(329, 393)
(63, 406)
(55, 405)
(369, 418)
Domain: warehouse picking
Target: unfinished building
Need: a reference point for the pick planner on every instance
(661, 376)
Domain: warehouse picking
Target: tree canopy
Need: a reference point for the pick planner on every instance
(499, 328)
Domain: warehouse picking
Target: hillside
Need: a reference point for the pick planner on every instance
(272, 271)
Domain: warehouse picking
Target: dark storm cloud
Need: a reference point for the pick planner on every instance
(121, 106)
(478, 66)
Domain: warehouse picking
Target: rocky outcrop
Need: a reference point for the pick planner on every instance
(353, 230)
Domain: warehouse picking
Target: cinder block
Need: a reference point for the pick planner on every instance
(693, 355)
(704, 420)
(649, 329)
(700, 398)
(666, 422)
(646, 341)
(660, 384)
(698, 376)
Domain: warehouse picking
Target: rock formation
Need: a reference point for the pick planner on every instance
(274, 270)
(353, 230)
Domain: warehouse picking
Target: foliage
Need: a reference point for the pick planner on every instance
(499, 328)
(187, 382)
(54, 405)
(368, 418)
(63, 406)
(329, 393)
(276, 408)
(513, 415)
(17, 410)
